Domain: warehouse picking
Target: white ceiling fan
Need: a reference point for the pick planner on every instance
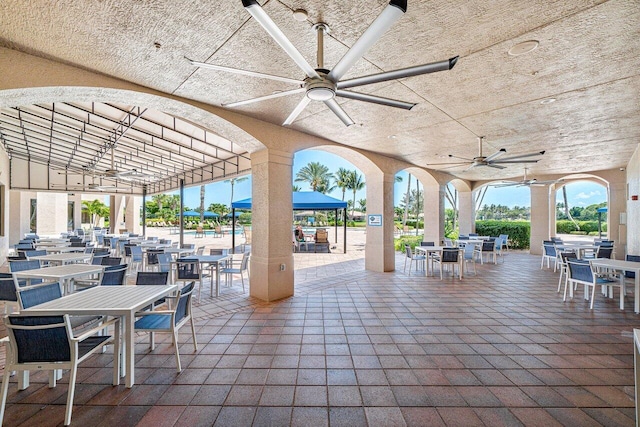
(325, 85)
(92, 186)
(124, 175)
(526, 182)
(495, 160)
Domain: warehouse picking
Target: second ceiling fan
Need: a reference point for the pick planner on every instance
(325, 85)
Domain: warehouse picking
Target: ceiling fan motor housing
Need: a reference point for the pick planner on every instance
(320, 89)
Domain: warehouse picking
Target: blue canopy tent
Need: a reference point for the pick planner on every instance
(304, 200)
(207, 214)
(600, 212)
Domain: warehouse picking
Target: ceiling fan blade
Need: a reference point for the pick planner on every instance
(244, 72)
(471, 166)
(394, 11)
(495, 155)
(296, 111)
(258, 13)
(264, 98)
(338, 111)
(449, 163)
(523, 156)
(506, 184)
(493, 165)
(451, 156)
(399, 74)
(375, 99)
(513, 161)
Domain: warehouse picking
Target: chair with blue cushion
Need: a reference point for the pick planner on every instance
(581, 273)
(22, 265)
(156, 278)
(564, 268)
(631, 274)
(136, 257)
(188, 270)
(114, 275)
(469, 255)
(549, 253)
(450, 256)
(58, 349)
(8, 294)
(96, 259)
(152, 258)
(488, 248)
(109, 260)
(170, 320)
(164, 262)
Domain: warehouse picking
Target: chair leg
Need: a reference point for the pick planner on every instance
(593, 295)
(5, 391)
(175, 344)
(193, 333)
(152, 341)
(72, 388)
(560, 279)
(116, 354)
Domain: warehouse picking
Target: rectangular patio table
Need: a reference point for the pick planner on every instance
(61, 273)
(580, 247)
(63, 249)
(214, 262)
(427, 250)
(622, 266)
(121, 301)
(63, 258)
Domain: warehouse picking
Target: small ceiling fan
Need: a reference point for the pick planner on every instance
(124, 175)
(321, 84)
(92, 186)
(495, 160)
(526, 182)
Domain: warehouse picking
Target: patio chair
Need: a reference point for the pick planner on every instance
(164, 262)
(488, 248)
(59, 349)
(235, 266)
(247, 239)
(170, 320)
(505, 242)
(412, 257)
(30, 254)
(469, 255)
(136, 257)
(298, 243)
(450, 256)
(200, 232)
(631, 274)
(218, 251)
(8, 286)
(200, 250)
(114, 275)
(152, 258)
(114, 246)
(96, 259)
(152, 278)
(108, 260)
(448, 243)
(549, 253)
(217, 231)
(564, 268)
(22, 265)
(322, 240)
(581, 273)
(427, 243)
(188, 246)
(190, 270)
(100, 251)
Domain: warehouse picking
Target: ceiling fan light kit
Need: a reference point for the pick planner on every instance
(325, 85)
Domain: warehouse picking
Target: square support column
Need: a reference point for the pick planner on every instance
(271, 219)
(466, 212)
(539, 218)
(132, 214)
(379, 251)
(434, 213)
(116, 213)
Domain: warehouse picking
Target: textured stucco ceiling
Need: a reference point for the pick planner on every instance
(587, 60)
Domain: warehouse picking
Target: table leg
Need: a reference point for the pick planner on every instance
(129, 348)
(636, 295)
(217, 266)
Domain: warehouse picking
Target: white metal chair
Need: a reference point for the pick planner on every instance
(412, 257)
(450, 256)
(581, 273)
(236, 267)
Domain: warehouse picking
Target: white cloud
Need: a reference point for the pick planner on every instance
(583, 195)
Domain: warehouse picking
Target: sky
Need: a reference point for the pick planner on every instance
(581, 193)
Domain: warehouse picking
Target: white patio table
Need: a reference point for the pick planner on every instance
(214, 262)
(428, 250)
(61, 273)
(63, 249)
(622, 266)
(63, 258)
(121, 301)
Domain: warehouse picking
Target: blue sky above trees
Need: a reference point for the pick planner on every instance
(580, 193)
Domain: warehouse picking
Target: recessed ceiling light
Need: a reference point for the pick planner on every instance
(547, 101)
(524, 47)
(300, 15)
(392, 137)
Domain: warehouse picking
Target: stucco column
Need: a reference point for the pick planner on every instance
(616, 204)
(379, 252)
(19, 210)
(116, 213)
(271, 222)
(76, 198)
(132, 214)
(466, 212)
(539, 218)
(52, 213)
(553, 194)
(434, 213)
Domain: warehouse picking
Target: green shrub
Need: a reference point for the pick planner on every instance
(568, 227)
(412, 241)
(519, 231)
(244, 218)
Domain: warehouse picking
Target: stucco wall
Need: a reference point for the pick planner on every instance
(4, 180)
(633, 206)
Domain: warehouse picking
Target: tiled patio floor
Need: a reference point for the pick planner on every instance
(362, 348)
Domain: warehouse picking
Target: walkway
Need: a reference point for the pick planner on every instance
(363, 348)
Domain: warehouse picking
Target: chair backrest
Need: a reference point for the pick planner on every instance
(604, 252)
(152, 256)
(34, 253)
(450, 255)
(188, 269)
(407, 251)
(463, 238)
(568, 255)
(152, 278)
(26, 241)
(127, 249)
(38, 294)
(448, 242)
(245, 261)
(114, 243)
(113, 275)
(24, 247)
(78, 245)
(549, 250)
(200, 250)
(100, 239)
(247, 237)
(322, 235)
(468, 251)
(603, 243)
(8, 287)
(188, 246)
(15, 266)
(96, 259)
(633, 258)
(107, 241)
(427, 243)
(164, 262)
(75, 239)
(52, 331)
(108, 260)
(99, 251)
(580, 271)
(136, 253)
(548, 242)
(183, 307)
(217, 251)
(488, 246)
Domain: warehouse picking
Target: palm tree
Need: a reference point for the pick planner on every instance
(407, 195)
(233, 181)
(161, 200)
(96, 209)
(296, 188)
(355, 184)
(341, 176)
(202, 204)
(316, 174)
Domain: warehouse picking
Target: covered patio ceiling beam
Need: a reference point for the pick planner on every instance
(17, 147)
